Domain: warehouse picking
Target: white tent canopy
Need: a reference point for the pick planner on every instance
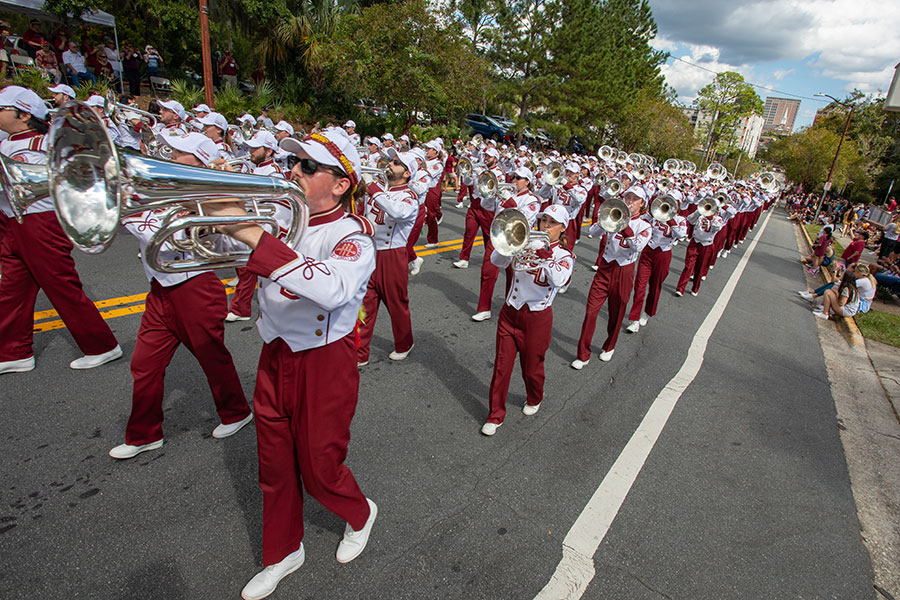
(35, 8)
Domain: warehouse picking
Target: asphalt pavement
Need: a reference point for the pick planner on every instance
(745, 495)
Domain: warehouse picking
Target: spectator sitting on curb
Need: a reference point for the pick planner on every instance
(842, 303)
(865, 285)
(819, 249)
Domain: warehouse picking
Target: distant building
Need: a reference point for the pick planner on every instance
(748, 133)
(825, 112)
(779, 114)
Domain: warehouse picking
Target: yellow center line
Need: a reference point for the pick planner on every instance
(57, 323)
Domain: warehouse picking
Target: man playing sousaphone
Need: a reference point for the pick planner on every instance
(307, 383)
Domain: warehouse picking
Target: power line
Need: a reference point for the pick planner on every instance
(762, 87)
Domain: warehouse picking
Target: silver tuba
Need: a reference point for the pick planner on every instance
(23, 183)
(664, 208)
(512, 236)
(553, 173)
(664, 184)
(715, 171)
(613, 188)
(606, 153)
(708, 206)
(672, 165)
(93, 186)
(614, 215)
(642, 173)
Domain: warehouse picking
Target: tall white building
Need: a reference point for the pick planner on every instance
(748, 132)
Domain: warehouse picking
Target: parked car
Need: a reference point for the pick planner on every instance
(544, 137)
(504, 121)
(370, 107)
(486, 126)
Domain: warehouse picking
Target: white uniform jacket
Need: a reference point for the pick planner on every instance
(143, 226)
(624, 247)
(664, 235)
(538, 287)
(572, 196)
(393, 214)
(310, 295)
(705, 228)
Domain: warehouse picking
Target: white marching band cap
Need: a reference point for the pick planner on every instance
(492, 152)
(388, 136)
(407, 158)
(434, 145)
(202, 108)
(247, 117)
(175, 107)
(216, 119)
(404, 138)
(525, 173)
(25, 100)
(62, 89)
(638, 191)
(350, 124)
(263, 139)
(330, 147)
(558, 213)
(193, 143)
(96, 100)
(574, 167)
(285, 127)
(374, 140)
(419, 153)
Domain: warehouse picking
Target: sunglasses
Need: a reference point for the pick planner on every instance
(310, 167)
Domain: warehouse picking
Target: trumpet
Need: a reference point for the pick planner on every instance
(93, 186)
(553, 173)
(375, 175)
(614, 215)
(664, 208)
(512, 236)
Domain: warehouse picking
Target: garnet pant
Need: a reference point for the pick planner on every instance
(304, 403)
(611, 281)
(731, 231)
(573, 229)
(36, 255)
(718, 244)
(652, 270)
(696, 263)
(433, 212)
(527, 333)
(242, 300)
(476, 218)
(414, 235)
(591, 204)
(463, 191)
(190, 313)
(489, 273)
(389, 284)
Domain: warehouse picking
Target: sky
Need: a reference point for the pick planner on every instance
(799, 47)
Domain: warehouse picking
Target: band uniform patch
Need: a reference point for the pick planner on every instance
(348, 250)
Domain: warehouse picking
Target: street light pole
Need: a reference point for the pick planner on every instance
(827, 185)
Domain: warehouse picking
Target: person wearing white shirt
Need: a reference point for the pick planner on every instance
(181, 308)
(525, 323)
(699, 251)
(614, 278)
(74, 62)
(350, 128)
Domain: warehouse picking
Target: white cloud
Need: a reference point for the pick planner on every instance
(782, 73)
(687, 79)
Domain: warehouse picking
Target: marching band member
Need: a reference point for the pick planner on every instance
(614, 278)
(387, 140)
(653, 265)
(350, 127)
(419, 186)
(728, 212)
(201, 110)
(374, 144)
(571, 195)
(283, 129)
(307, 384)
(215, 127)
(262, 152)
(699, 250)
(484, 215)
(433, 215)
(36, 255)
(171, 117)
(181, 308)
(61, 94)
(392, 212)
(526, 319)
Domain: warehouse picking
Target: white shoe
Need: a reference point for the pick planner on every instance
(265, 582)
(693, 293)
(579, 364)
(725, 254)
(594, 267)
(223, 430)
(820, 315)
(806, 295)
(362, 364)
(232, 282)
(441, 219)
(607, 356)
(124, 451)
(95, 360)
(399, 355)
(459, 205)
(564, 289)
(482, 316)
(644, 318)
(416, 265)
(678, 294)
(17, 366)
(461, 264)
(490, 428)
(634, 327)
(354, 542)
(704, 277)
(430, 245)
(231, 318)
(530, 409)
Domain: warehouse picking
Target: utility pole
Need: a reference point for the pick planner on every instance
(206, 54)
(827, 185)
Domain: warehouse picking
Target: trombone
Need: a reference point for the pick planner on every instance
(93, 186)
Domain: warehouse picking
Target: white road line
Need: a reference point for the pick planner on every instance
(576, 569)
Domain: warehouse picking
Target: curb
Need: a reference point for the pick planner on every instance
(849, 323)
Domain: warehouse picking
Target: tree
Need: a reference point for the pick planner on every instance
(806, 158)
(728, 99)
(650, 125)
(399, 55)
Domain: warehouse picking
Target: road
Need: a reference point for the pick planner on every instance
(744, 495)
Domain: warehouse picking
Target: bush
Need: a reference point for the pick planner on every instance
(187, 93)
(88, 89)
(34, 79)
(230, 102)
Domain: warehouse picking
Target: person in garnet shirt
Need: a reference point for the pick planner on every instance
(33, 38)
